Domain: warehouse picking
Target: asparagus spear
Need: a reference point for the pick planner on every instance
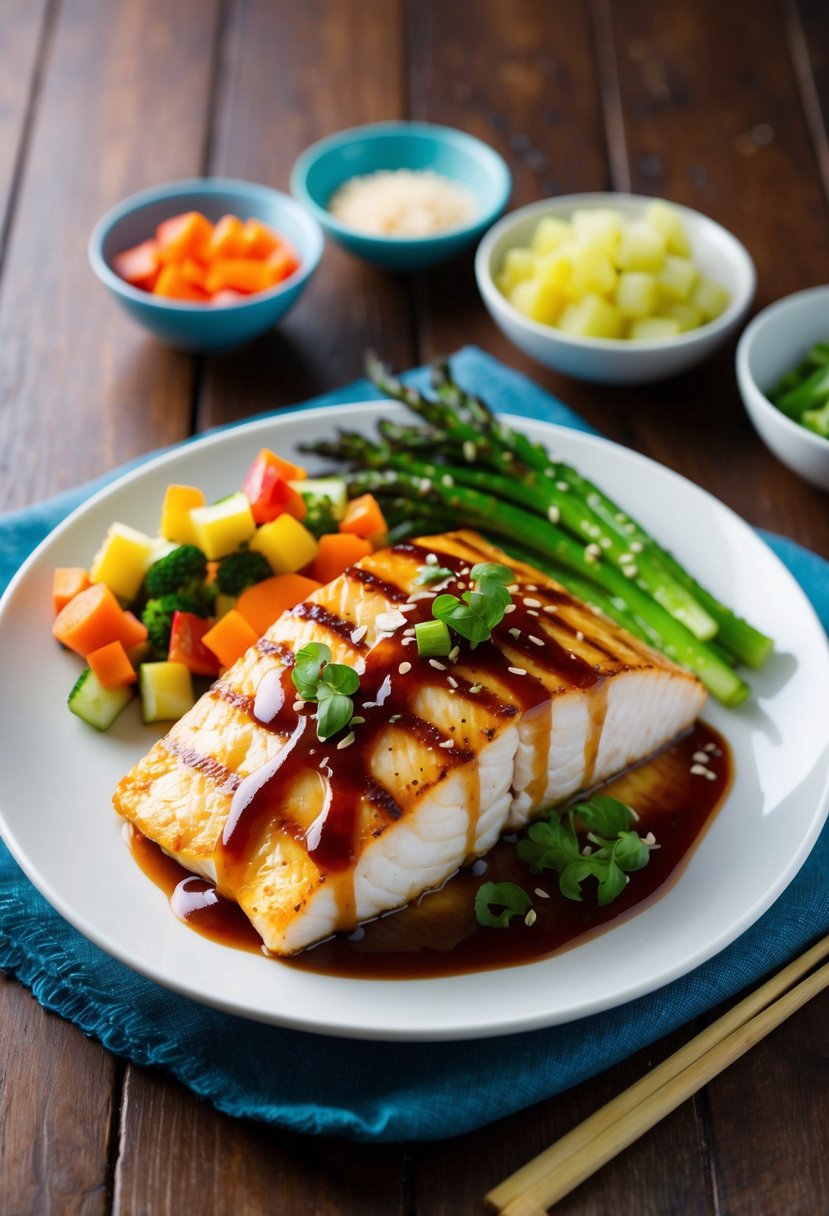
(472, 508)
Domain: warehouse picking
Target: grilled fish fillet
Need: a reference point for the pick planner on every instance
(312, 838)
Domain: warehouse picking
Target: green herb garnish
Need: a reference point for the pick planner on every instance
(433, 574)
(478, 611)
(331, 685)
(511, 899)
(612, 852)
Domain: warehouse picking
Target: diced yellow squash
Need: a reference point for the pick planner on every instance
(286, 543)
(222, 527)
(667, 220)
(122, 561)
(688, 317)
(641, 247)
(636, 293)
(538, 301)
(593, 271)
(178, 502)
(166, 691)
(677, 277)
(550, 233)
(601, 226)
(649, 329)
(592, 317)
(709, 297)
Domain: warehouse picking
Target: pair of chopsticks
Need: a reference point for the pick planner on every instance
(539, 1184)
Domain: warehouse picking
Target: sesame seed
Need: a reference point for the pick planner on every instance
(531, 603)
(507, 457)
(469, 451)
(620, 517)
(424, 485)
(447, 480)
(480, 867)
(530, 587)
(550, 472)
(431, 559)
(605, 542)
(407, 641)
(532, 612)
(422, 595)
(636, 546)
(406, 607)
(357, 720)
(563, 486)
(515, 633)
(710, 775)
(404, 668)
(512, 588)
(388, 622)
(451, 681)
(447, 743)
(298, 705)
(509, 608)
(700, 757)
(358, 634)
(531, 918)
(649, 840)
(626, 558)
(630, 571)
(541, 894)
(395, 717)
(536, 641)
(592, 553)
(346, 742)
(475, 687)
(579, 635)
(517, 671)
(453, 654)
(439, 666)
(409, 632)
(550, 608)
(698, 770)
(553, 514)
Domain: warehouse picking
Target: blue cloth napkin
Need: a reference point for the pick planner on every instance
(379, 1091)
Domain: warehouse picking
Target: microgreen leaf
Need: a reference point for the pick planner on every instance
(331, 685)
(510, 900)
(479, 610)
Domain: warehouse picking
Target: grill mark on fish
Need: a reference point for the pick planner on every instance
(276, 650)
(225, 780)
(321, 615)
(391, 591)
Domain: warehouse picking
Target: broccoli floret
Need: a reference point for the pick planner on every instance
(319, 517)
(158, 617)
(241, 570)
(182, 570)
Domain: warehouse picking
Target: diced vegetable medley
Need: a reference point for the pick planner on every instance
(151, 613)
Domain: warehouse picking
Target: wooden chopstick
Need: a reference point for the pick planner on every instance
(534, 1188)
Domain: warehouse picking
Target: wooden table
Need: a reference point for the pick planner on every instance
(719, 106)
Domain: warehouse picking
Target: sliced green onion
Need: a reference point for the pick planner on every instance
(433, 639)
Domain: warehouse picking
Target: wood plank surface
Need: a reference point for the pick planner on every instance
(107, 98)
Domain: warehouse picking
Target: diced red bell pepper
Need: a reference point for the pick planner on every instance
(267, 489)
(187, 647)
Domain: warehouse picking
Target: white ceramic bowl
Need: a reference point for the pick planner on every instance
(774, 342)
(611, 360)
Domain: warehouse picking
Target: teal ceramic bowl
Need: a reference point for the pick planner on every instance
(205, 327)
(327, 165)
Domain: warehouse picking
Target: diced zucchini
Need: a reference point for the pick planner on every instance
(332, 488)
(122, 561)
(286, 543)
(96, 705)
(166, 691)
(222, 527)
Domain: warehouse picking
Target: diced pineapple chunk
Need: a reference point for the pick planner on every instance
(556, 269)
(600, 226)
(593, 271)
(519, 264)
(550, 233)
(688, 317)
(636, 293)
(538, 301)
(221, 527)
(677, 277)
(709, 297)
(286, 543)
(667, 220)
(641, 247)
(122, 561)
(175, 513)
(592, 317)
(166, 691)
(650, 328)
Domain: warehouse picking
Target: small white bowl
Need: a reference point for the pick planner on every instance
(774, 343)
(614, 360)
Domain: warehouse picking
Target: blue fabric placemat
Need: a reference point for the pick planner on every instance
(379, 1091)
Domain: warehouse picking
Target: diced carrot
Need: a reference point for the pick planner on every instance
(230, 637)
(183, 236)
(228, 239)
(90, 620)
(264, 602)
(241, 274)
(68, 581)
(260, 240)
(194, 273)
(363, 517)
(111, 665)
(139, 265)
(172, 285)
(133, 632)
(338, 551)
(282, 262)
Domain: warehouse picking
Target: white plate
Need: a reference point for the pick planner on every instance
(58, 775)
